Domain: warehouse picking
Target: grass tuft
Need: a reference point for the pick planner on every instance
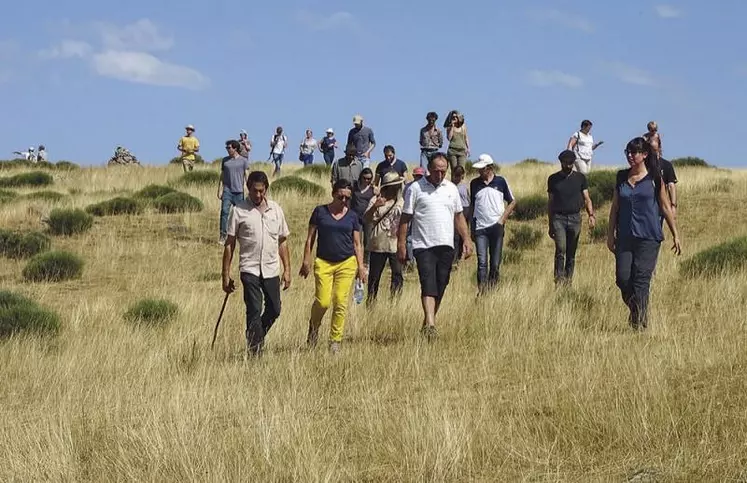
(56, 266)
(199, 178)
(524, 238)
(294, 184)
(34, 178)
(177, 202)
(724, 258)
(116, 206)
(21, 315)
(23, 245)
(530, 207)
(69, 222)
(152, 312)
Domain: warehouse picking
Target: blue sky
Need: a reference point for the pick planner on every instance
(82, 76)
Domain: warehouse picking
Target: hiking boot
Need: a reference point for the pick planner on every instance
(313, 336)
(334, 348)
(429, 332)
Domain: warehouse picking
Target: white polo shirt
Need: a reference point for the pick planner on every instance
(258, 235)
(432, 209)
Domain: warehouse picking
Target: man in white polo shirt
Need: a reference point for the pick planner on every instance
(489, 193)
(260, 227)
(435, 209)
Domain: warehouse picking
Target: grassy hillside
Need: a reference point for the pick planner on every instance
(527, 384)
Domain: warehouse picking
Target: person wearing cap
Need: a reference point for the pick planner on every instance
(431, 139)
(188, 146)
(489, 194)
(328, 146)
(390, 163)
(568, 192)
(349, 167)
(362, 137)
(382, 216)
(582, 144)
(245, 144)
(435, 209)
(278, 142)
(307, 148)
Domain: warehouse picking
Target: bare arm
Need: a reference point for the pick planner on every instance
(612, 227)
(466, 138)
(589, 209)
(358, 246)
(449, 132)
(306, 264)
(669, 216)
(461, 227)
(285, 258)
(228, 250)
(572, 143)
(672, 189)
(404, 222)
(509, 209)
(550, 230)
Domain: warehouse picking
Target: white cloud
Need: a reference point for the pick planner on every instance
(142, 35)
(566, 19)
(546, 78)
(337, 20)
(145, 68)
(668, 11)
(67, 49)
(629, 74)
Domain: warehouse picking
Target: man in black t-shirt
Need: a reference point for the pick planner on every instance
(568, 192)
(390, 163)
(670, 183)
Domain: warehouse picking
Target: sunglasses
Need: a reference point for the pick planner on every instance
(367, 178)
(633, 153)
(342, 197)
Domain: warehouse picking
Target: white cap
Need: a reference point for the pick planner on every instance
(330, 130)
(189, 126)
(31, 148)
(243, 131)
(483, 161)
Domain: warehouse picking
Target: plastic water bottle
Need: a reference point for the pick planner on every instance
(358, 293)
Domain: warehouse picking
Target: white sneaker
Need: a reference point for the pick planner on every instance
(222, 240)
(334, 347)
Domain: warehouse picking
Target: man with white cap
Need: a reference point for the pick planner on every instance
(327, 147)
(246, 145)
(362, 137)
(489, 194)
(189, 145)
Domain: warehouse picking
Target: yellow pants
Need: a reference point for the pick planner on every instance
(332, 287)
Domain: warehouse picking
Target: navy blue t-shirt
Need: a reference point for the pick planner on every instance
(638, 212)
(398, 167)
(334, 237)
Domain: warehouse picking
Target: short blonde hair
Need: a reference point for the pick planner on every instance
(652, 126)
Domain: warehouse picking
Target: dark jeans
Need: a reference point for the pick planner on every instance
(377, 262)
(229, 199)
(329, 157)
(489, 242)
(258, 323)
(434, 270)
(635, 260)
(567, 229)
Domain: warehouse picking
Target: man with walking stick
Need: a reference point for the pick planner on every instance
(260, 227)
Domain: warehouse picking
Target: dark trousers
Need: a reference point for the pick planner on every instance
(376, 264)
(489, 244)
(329, 157)
(258, 323)
(635, 260)
(567, 229)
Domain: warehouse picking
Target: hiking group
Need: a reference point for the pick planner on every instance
(377, 217)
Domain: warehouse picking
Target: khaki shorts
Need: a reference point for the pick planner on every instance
(188, 163)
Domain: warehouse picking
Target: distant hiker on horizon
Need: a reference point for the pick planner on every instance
(456, 132)
(41, 154)
(635, 232)
(246, 145)
(234, 169)
(568, 192)
(362, 138)
(188, 146)
(307, 148)
(278, 143)
(653, 137)
(327, 147)
(260, 227)
(582, 144)
(431, 139)
(29, 155)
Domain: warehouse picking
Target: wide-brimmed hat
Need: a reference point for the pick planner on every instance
(330, 131)
(391, 179)
(190, 127)
(483, 161)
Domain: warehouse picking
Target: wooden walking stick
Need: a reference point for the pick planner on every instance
(220, 316)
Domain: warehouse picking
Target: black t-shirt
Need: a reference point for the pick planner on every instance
(398, 167)
(360, 200)
(667, 171)
(567, 192)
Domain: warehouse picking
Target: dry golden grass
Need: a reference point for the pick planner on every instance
(525, 385)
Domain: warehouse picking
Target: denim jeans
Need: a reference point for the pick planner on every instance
(229, 199)
(425, 157)
(489, 243)
(567, 230)
(377, 262)
(363, 160)
(635, 261)
(277, 160)
(307, 159)
(329, 157)
(258, 322)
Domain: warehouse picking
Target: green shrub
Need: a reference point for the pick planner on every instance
(318, 170)
(599, 232)
(510, 256)
(66, 166)
(603, 181)
(524, 238)
(7, 196)
(19, 314)
(533, 162)
(69, 221)
(294, 184)
(217, 161)
(690, 161)
(23, 245)
(55, 266)
(530, 207)
(177, 202)
(178, 160)
(153, 191)
(50, 196)
(730, 256)
(15, 164)
(115, 206)
(202, 177)
(44, 165)
(724, 185)
(34, 178)
(151, 312)
(597, 200)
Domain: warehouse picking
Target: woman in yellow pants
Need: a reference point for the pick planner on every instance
(338, 262)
